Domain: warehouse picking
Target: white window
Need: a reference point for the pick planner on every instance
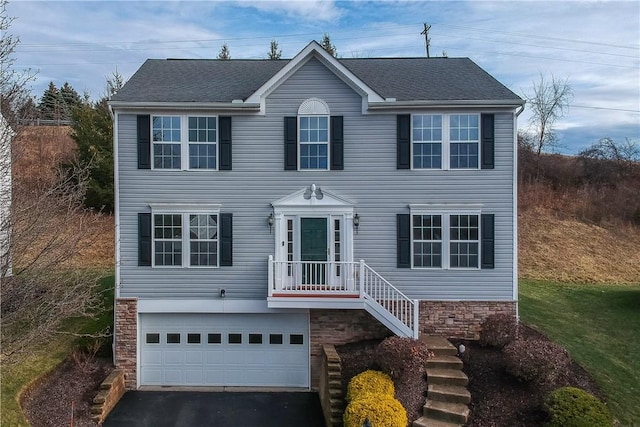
(313, 136)
(449, 240)
(445, 141)
(184, 142)
(185, 239)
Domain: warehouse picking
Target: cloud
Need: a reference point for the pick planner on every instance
(309, 10)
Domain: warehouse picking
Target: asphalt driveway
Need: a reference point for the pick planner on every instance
(216, 409)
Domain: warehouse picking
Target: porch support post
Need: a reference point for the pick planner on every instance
(416, 319)
(270, 273)
(361, 278)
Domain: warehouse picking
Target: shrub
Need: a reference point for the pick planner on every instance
(397, 355)
(498, 330)
(574, 407)
(405, 360)
(381, 410)
(536, 360)
(370, 382)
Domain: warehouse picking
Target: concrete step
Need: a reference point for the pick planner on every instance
(448, 393)
(445, 362)
(431, 422)
(440, 346)
(444, 411)
(447, 377)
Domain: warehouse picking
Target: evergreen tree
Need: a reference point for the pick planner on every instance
(274, 53)
(70, 99)
(224, 54)
(326, 45)
(51, 105)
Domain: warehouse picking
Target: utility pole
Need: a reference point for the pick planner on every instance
(427, 40)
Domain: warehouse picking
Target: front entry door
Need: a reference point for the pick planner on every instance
(313, 250)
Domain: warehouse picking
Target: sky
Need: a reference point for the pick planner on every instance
(595, 46)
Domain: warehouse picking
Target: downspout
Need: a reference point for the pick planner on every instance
(515, 211)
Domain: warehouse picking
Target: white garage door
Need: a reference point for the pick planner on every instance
(225, 349)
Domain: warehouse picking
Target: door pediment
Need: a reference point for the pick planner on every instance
(313, 197)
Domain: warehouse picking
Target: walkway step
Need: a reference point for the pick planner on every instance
(431, 422)
(447, 377)
(444, 411)
(448, 393)
(445, 362)
(440, 346)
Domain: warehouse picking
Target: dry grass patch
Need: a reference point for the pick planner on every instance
(566, 250)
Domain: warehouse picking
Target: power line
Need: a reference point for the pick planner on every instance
(604, 108)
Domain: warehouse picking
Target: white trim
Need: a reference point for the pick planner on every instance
(180, 208)
(146, 106)
(218, 305)
(116, 204)
(472, 208)
(471, 103)
(300, 143)
(313, 107)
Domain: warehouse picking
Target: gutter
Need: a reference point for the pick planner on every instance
(238, 105)
(395, 105)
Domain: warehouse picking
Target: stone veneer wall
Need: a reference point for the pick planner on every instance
(460, 319)
(126, 334)
(339, 327)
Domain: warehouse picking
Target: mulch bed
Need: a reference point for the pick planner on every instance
(49, 402)
(497, 398)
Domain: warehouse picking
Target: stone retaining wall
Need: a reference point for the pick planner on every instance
(111, 390)
(330, 390)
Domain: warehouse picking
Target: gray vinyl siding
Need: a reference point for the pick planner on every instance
(369, 178)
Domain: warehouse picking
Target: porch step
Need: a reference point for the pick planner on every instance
(431, 422)
(448, 393)
(438, 345)
(445, 362)
(445, 411)
(453, 377)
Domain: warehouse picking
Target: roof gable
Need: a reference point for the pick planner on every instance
(314, 50)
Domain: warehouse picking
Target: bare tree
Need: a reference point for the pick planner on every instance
(274, 53)
(549, 101)
(44, 226)
(225, 53)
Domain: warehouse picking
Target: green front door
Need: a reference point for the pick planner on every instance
(313, 248)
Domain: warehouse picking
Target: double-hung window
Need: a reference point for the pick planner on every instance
(184, 142)
(445, 141)
(313, 132)
(445, 240)
(185, 239)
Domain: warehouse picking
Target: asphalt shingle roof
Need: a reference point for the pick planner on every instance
(406, 79)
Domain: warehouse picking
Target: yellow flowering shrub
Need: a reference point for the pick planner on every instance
(370, 382)
(382, 411)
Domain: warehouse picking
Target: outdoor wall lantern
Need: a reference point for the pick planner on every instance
(356, 222)
(270, 221)
(223, 292)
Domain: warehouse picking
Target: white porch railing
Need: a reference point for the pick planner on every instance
(347, 279)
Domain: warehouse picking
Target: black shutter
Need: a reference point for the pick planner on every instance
(224, 124)
(488, 241)
(404, 141)
(337, 143)
(404, 240)
(144, 142)
(144, 239)
(290, 143)
(226, 239)
(488, 141)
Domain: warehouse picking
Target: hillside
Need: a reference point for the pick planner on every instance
(553, 244)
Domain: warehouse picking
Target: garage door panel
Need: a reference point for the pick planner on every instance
(225, 349)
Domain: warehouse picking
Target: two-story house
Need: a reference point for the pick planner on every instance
(266, 207)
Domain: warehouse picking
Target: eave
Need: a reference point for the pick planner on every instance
(463, 103)
(160, 106)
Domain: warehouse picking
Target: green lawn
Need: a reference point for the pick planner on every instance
(600, 326)
(16, 377)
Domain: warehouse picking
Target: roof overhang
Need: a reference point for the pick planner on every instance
(468, 103)
(314, 50)
(159, 106)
